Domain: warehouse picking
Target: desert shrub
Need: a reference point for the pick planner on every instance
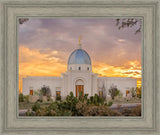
(29, 113)
(81, 108)
(133, 92)
(58, 98)
(100, 111)
(96, 100)
(136, 111)
(110, 103)
(71, 102)
(126, 112)
(117, 92)
(26, 98)
(21, 98)
(54, 109)
(114, 113)
(36, 107)
(96, 111)
(92, 110)
(138, 90)
(39, 100)
(132, 112)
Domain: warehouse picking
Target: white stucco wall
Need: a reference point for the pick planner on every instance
(37, 82)
(122, 83)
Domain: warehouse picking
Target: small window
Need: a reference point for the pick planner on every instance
(127, 92)
(58, 93)
(31, 92)
(87, 68)
(79, 68)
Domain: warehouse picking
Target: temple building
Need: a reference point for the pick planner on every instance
(78, 77)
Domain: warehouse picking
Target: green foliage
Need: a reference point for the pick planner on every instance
(131, 22)
(58, 98)
(133, 92)
(26, 98)
(71, 102)
(77, 106)
(92, 110)
(36, 107)
(45, 91)
(110, 103)
(138, 90)
(36, 93)
(96, 100)
(29, 113)
(21, 98)
(117, 92)
(113, 91)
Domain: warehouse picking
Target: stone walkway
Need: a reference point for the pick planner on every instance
(125, 105)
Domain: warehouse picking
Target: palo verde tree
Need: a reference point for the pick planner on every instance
(129, 23)
(113, 91)
(133, 92)
(45, 91)
(23, 20)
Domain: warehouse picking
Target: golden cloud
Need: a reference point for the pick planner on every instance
(34, 63)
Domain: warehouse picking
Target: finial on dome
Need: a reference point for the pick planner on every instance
(79, 42)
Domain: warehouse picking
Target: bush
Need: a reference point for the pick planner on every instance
(132, 112)
(96, 100)
(113, 91)
(136, 111)
(81, 106)
(36, 107)
(21, 98)
(133, 92)
(29, 113)
(110, 103)
(39, 100)
(138, 90)
(117, 92)
(26, 98)
(58, 98)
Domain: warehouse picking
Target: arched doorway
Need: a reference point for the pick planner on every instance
(79, 87)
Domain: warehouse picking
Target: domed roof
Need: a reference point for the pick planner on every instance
(79, 56)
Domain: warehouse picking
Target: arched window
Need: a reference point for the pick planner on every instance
(79, 68)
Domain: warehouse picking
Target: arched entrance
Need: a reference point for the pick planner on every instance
(79, 87)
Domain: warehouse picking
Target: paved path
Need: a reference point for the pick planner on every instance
(120, 107)
(22, 112)
(125, 105)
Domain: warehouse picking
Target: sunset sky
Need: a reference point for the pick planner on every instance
(45, 46)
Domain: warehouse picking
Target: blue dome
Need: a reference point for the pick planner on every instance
(79, 56)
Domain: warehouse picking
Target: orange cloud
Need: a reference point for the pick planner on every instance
(134, 70)
(34, 63)
(50, 63)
